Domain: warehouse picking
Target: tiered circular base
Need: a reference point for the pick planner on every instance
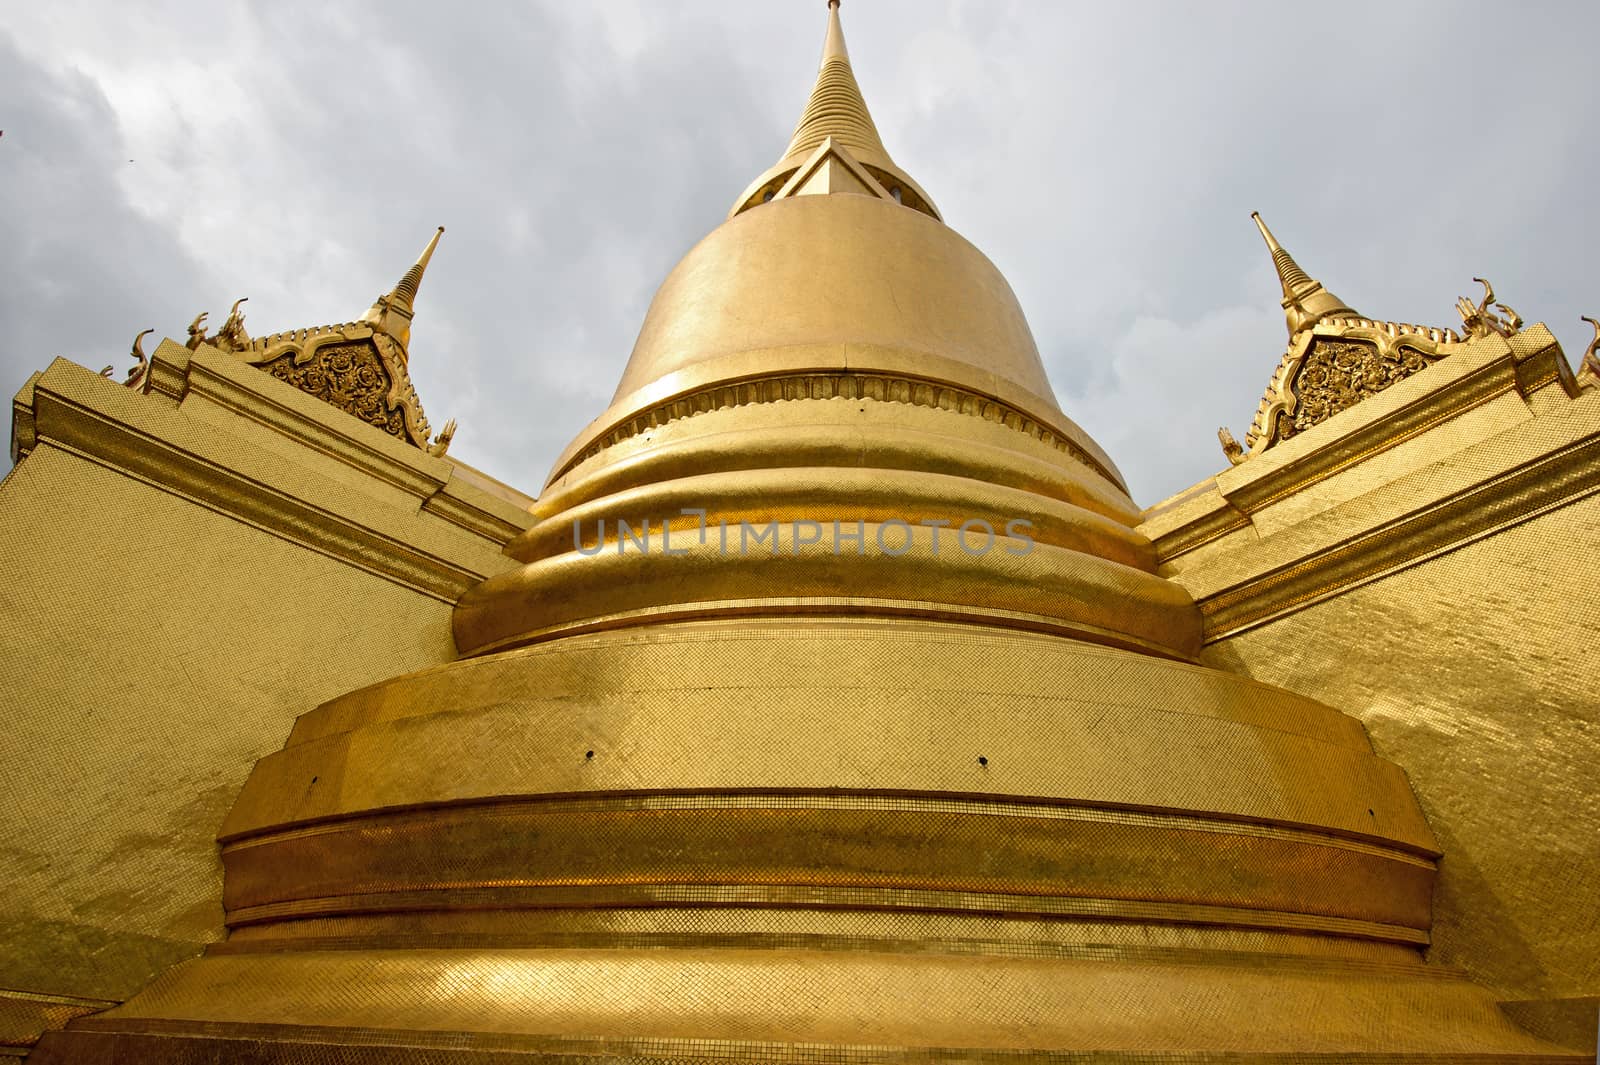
(812, 840)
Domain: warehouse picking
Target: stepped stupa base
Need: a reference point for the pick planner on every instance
(687, 843)
(803, 1004)
(830, 703)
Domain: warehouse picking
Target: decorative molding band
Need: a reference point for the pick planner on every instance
(855, 606)
(1552, 481)
(473, 519)
(135, 1042)
(1026, 945)
(408, 470)
(786, 896)
(26, 1015)
(845, 385)
(1488, 382)
(903, 802)
(278, 416)
(24, 434)
(1211, 526)
(1244, 497)
(1376, 888)
(117, 446)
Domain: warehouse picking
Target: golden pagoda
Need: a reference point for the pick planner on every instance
(832, 702)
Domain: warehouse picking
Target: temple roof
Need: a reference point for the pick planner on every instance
(360, 367)
(1337, 357)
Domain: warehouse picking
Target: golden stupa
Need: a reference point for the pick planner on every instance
(833, 702)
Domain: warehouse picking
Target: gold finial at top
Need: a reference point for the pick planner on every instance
(836, 108)
(393, 311)
(836, 112)
(1266, 234)
(1289, 272)
(1305, 301)
(833, 44)
(406, 291)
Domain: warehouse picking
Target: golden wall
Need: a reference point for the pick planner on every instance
(1426, 561)
(184, 572)
(156, 650)
(1476, 671)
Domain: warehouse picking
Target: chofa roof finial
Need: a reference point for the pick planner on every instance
(1305, 301)
(394, 310)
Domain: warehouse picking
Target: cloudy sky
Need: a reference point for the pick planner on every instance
(165, 158)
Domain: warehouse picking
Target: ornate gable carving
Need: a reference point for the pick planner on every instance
(358, 367)
(352, 367)
(1335, 365)
(1336, 358)
(1338, 362)
(348, 375)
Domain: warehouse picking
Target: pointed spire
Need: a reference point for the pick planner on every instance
(1305, 301)
(836, 113)
(833, 46)
(836, 108)
(406, 291)
(393, 311)
(1289, 272)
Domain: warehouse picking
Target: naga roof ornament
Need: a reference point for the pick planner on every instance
(1590, 365)
(138, 377)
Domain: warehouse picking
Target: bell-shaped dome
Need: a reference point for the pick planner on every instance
(833, 283)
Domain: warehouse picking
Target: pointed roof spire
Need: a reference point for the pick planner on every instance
(1305, 301)
(836, 108)
(406, 291)
(1289, 272)
(833, 45)
(393, 311)
(837, 111)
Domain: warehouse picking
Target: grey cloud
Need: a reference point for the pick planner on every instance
(81, 271)
(1106, 157)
